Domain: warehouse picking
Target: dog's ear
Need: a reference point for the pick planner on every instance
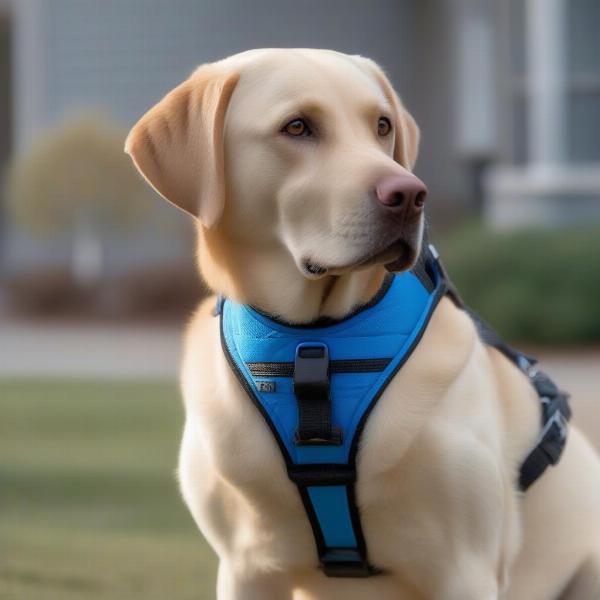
(178, 144)
(406, 130)
(408, 135)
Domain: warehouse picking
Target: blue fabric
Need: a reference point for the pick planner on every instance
(387, 329)
(330, 503)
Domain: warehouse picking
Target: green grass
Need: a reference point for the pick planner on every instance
(89, 507)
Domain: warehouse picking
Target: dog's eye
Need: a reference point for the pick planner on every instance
(383, 126)
(297, 128)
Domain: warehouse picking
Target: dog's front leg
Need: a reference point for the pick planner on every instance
(263, 586)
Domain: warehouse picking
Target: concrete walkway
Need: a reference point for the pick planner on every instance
(81, 350)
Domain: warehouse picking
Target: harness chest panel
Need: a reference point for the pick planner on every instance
(358, 357)
(316, 385)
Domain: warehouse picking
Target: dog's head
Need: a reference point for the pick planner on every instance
(293, 161)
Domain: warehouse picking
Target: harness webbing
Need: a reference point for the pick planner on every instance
(555, 409)
(316, 385)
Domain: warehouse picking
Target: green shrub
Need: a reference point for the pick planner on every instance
(534, 286)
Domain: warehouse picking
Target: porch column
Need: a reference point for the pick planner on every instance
(546, 109)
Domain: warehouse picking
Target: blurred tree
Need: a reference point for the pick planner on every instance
(77, 180)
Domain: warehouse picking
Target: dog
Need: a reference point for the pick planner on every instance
(297, 165)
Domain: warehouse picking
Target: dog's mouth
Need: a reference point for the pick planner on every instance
(314, 269)
(398, 256)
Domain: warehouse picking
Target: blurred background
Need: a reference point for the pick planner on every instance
(97, 276)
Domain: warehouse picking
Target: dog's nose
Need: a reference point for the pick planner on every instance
(402, 193)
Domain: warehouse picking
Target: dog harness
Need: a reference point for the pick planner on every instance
(315, 385)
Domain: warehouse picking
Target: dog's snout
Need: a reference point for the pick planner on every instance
(402, 193)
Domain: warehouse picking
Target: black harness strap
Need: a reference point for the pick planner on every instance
(556, 413)
(311, 371)
(555, 409)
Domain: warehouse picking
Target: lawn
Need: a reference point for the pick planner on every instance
(89, 506)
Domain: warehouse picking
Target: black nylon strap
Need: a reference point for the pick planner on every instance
(491, 338)
(338, 562)
(422, 269)
(556, 413)
(555, 410)
(430, 255)
(322, 474)
(554, 402)
(286, 369)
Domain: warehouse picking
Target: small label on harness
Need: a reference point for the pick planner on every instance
(265, 386)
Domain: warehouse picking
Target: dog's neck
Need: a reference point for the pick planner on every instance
(271, 282)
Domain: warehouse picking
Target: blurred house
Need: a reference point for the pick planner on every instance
(548, 67)
(507, 93)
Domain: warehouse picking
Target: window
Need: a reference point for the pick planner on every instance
(583, 80)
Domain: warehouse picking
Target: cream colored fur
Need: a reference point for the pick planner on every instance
(440, 453)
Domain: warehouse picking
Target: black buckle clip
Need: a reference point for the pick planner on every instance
(543, 385)
(554, 436)
(311, 387)
(556, 413)
(345, 562)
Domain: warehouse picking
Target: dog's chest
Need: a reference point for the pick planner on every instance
(415, 462)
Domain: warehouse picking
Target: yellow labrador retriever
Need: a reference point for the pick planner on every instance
(297, 165)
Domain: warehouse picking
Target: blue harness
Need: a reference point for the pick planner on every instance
(316, 385)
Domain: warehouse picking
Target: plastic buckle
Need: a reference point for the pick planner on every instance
(311, 384)
(434, 253)
(436, 268)
(311, 366)
(554, 436)
(543, 385)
